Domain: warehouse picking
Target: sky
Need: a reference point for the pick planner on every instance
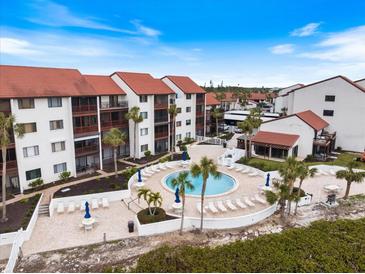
(271, 43)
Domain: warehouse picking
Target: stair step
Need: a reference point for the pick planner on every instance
(43, 210)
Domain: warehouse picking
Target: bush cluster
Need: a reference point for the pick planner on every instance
(264, 165)
(36, 182)
(227, 136)
(28, 214)
(144, 216)
(323, 247)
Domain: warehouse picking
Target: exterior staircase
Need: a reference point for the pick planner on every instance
(43, 210)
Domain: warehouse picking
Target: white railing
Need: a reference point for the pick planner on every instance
(209, 140)
(15, 250)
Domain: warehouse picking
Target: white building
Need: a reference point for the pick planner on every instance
(281, 101)
(340, 102)
(361, 82)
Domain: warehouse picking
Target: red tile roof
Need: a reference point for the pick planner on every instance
(104, 85)
(144, 83)
(312, 119)
(211, 100)
(21, 81)
(275, 138)
(185, 84)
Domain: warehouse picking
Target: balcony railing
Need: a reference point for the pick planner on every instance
(108, 105)
(80, 130)
(200, 101)
(84, 108)
(117, 123)
(9, 165)
(159, 105)
(86, 149)
(199, 125)
(163, 119)
(200, 113)
(161, 134)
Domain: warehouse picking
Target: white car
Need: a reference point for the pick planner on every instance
(237, 130)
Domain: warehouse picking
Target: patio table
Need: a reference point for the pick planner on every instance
(88, 223)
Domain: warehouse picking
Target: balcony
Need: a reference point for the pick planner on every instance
(200, 99)
(161, 134)
(85, 130)
(199, 113)
(113, 105)
(161, 119)
(12, 164)
(112, 124)
(325, 139)
(84, 108)
(161, 105)
(86, 150)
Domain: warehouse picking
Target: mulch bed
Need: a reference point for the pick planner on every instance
(19, 214)
(145, 160)
(110, 167)
(95, 186)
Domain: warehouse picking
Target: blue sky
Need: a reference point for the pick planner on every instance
(251, 43)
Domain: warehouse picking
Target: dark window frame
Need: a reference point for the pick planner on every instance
(328, 112)
(330, 98)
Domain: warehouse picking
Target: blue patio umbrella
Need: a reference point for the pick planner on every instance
(267, 179)
(139, 176)
(177, 198)
(184, 156)
(87, 211)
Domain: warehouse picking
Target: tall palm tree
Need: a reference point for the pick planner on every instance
(281, 195)
(115, 138)
(135, 116)
(247, 130)
(350, 176)
(7, 124)
(254, 119)
(173, 113)
(183, 184)
(216, 114)
(155, 198)
(304, 172)
(205, 168)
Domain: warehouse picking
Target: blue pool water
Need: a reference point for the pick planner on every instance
(215, 186)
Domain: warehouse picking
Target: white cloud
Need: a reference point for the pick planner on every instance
(16, 47)
(141, 29)
(346, 46)
(282, 49)
(307, 30)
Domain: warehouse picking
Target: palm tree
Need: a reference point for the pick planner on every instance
(280, 195)
(350, 176)
(242, 97)
(304, 172)
(173, 113)
(182, 183)
(137, 118)
(205, 168)
(216, 114)
(115, 138)
(145, 192)
(7, 124)
(155, 198)
(247, 130)
(254, 120)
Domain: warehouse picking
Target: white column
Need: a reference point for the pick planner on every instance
(73, 172)
(99, 133)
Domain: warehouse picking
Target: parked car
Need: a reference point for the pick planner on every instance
(237, 130)
(223, 127)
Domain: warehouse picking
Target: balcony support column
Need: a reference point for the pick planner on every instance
(99, 133)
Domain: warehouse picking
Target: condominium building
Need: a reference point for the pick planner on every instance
(66, 114)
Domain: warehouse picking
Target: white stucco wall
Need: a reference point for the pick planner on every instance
(349, 110)
(41, 114)
(293, 125)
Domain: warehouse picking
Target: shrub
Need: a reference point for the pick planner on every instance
(65, 175)
(128, 173)
(144, 216)
(309, 158)
(339, 149)
(36, 182)
(183, 148)
(147, 153)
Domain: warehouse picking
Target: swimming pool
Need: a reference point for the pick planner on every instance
(215, 186)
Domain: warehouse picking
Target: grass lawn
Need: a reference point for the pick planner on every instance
(323, 247)
(341, 160)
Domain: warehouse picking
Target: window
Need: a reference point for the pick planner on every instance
(30, 151)
(60, 168)
(33, 174)
(56, 124)
(330, 98)
(58, 146)
(327, 112)
(144, 114)
(188, 135)
(144, 131)
(143, 99)
(178, 137)
(30, 127)
(188, 109)
(178, 110)
(178, 124)
(25, 103)
(144, 148)
(188, 96)
(188, 122)
(54, 102)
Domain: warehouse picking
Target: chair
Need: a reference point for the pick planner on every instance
(221, 206)
(230, 205)
(82, 205)
(231, 166)
(145, 173)
(71, 207)
(198, 207)
(333, 172)
(246, 170)
(212, 207)
(248, 202)
(259, 199)
(94, 204)
(240, 203)
(239, 168)
(162, 166)
(105, 202)
(253, 173)
(60, 208)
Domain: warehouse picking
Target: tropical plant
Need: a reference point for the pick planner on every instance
(247, 130)
(350, 176)
(64, 175)
(217, 114)
(284, 111)
(242, 97)
(304, 172)
(205, 168)
(219, 96)
(150, 197)
(147, 153)
(36, 182)
(135, 116)
(173, 113)
(7, 126)
(183, 184)
(115, 138)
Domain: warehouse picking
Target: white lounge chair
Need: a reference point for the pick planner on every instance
(162, 166)
(105, 202)
(94, 204)
(248, 202)
(145, 173)
(198, 207)
(212, 207)
(239, 168)
(169, 164)
(333, 172)
(149, 170)
(71, 207)
(253, 173)
(323, 172)
(259, 199)
(82, 205)
(246, 170)
(230, 205)
(221, 206)
(60, 208)
(232, 166)
(240, 203)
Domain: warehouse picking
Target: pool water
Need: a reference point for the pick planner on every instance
(215, 186)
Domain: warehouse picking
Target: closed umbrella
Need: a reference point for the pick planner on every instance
(87, 211)
(184, 156)
(177, 198)
(267, 179)
(139, 176)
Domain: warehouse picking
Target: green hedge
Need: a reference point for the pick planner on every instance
(145, 218)
(323, 247)
(262, 164)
